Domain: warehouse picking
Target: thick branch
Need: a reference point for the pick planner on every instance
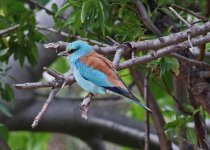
(164, 51)
(102, 121)
(155, 44)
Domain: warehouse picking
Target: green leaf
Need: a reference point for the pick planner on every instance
(178, 122)
(101, 17)
(85, 8)
(5, 111)
(191, 135)
(4, 133)
(54, 7)
(62, 9)
(3, 51)
(61, 64)
(7, 92)
(167, 64)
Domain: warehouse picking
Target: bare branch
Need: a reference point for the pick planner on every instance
(58, 82)
(180, 17)
(189, 12)
(68, 35)
(163, 52)
(147, 44)
(53, 73)
(45, 107)
(191, 61)
(5, 32)
(44, 8)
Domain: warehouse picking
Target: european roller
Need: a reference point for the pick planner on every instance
(95, 73)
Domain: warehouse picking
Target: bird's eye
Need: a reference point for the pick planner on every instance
(72, 50)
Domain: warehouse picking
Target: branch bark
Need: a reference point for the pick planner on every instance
(155, 44)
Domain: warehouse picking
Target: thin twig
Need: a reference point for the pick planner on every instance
(64, 34)
(180, 17)
(147, 127)
(53, 73)
(57, 82)
(191, 61)
(189, 12)
(180, 106)
(45, 107)
(44, 8)
(5, 32)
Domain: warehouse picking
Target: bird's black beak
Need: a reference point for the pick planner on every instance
(64, 53)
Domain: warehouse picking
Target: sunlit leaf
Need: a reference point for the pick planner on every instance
(4, 133)
(62, 9)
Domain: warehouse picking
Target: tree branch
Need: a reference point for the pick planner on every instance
(143, 15)
(189, 12)
(102, 121)
(191, 61)
(162, 52)
(44, 107)
(155, 44)
(64, 34)
(5, 32)
(44, 8)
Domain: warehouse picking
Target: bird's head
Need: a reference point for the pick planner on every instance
(77, 49)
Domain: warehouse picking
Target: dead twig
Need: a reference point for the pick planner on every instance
(191, 61)
(180, 17)
(189, 12)
(64, 34)
(45, 107)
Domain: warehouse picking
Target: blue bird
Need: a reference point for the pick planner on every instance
(95, 73)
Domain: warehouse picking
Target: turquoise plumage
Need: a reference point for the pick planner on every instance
(95, 73)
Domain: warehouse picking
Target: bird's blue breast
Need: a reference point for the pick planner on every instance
(83, 77)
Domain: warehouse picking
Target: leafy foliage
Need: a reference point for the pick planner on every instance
(22, 42)
(28, 141)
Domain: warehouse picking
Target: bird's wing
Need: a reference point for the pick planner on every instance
(100, 71)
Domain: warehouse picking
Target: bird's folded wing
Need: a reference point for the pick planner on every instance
(99, 70)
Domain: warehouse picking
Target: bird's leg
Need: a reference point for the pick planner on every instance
(84, 106)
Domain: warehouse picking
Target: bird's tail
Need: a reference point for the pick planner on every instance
(126, 93)
(137, 101)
